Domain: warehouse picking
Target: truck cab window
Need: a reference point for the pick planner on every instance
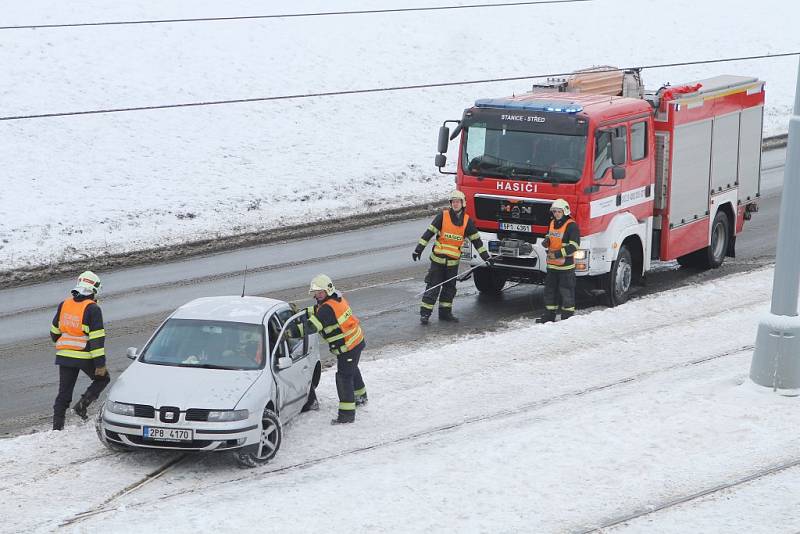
(638, 141)
(602, 149)
(602, 153)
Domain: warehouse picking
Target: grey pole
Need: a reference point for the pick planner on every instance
(776, 360)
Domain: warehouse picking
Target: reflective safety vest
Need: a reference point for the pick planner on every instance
(346, 334)
(74, 334)
(451, 237)
(556, 237)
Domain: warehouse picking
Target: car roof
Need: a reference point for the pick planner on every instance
(229, 308)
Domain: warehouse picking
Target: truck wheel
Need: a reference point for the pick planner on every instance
(713, 255)
(617, 284)
(720, 236)
(488, 280)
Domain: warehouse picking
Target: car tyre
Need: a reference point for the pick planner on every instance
(101, 435)
(271, 433)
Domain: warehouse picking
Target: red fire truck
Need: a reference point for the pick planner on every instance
(664, 175)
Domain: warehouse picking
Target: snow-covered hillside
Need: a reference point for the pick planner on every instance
(78, 186)
(540, 428)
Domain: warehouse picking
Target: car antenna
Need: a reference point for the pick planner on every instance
(244, 281)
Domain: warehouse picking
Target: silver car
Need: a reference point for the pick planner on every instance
(214, 377)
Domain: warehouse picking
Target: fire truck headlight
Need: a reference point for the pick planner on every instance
(581, 258)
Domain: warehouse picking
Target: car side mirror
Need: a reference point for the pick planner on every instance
(618, 172)
(284, 363)
(131, 353)
(440, 160)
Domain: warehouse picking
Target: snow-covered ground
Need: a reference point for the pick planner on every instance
(539, 428)
(78, 186)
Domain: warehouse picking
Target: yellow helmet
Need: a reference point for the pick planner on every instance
(322, 282)
(88, 284)
(560, 204)
(458, 195)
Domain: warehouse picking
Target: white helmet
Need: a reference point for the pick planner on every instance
(88, 284)
(458, 195)
(560, 204)
(322, 282)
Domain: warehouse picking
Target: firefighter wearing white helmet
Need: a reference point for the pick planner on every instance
(450, 227)
(78, 332)
(562, 241)
(334, 320)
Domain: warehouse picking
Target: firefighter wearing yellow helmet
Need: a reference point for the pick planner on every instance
(562, 241)
(333, 319)
(450, 227)
(77, 330)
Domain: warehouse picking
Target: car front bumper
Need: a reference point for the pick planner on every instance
(128, 431)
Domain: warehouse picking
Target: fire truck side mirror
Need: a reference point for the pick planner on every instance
(618, 150)
(618, 173)
(444, 139)
(441, 160)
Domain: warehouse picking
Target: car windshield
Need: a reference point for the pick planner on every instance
(519, 155)
(207, 344)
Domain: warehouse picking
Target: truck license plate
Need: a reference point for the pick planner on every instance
(168, 434)
(514, 227)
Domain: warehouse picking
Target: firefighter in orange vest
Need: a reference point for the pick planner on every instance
(333, 319)
(562, 241)
(450, 227)
(78, 333)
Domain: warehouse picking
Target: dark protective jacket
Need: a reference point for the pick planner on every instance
(92, 326)
(334, 320)
(562, 241)
(435, 228)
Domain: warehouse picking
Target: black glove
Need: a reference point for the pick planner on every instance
(416, 255)
(488, 259)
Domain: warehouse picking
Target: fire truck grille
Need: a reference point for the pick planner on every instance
(516, 211)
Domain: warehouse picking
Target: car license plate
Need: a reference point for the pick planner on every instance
(514, 227)
(168, 434)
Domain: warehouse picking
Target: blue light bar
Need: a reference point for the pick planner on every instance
(530, 105)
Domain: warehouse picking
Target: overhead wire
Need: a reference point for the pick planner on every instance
(379, 89)
(286, 15)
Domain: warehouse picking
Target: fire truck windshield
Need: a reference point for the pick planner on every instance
(522, 155)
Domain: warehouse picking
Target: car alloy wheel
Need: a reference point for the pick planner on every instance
(268, 444)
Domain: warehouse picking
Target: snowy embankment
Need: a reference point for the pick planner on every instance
(540, 428)
(81, 186)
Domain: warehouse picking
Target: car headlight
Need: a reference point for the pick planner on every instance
(580, 254)
(227, 415)
(120, 408)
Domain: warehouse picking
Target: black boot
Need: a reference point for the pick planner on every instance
(361, 400)
(446, 314)
(548, 317)
(81, 406)
(566, 315)
(58, 422)
(423, 319)
(347, 416)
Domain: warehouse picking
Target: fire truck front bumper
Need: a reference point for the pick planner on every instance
(517, 254)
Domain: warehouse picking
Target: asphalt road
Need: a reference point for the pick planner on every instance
(372, 266)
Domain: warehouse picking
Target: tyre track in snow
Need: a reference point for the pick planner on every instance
(665, 505)
(107, 505)
(130, 488)
(52, 471)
